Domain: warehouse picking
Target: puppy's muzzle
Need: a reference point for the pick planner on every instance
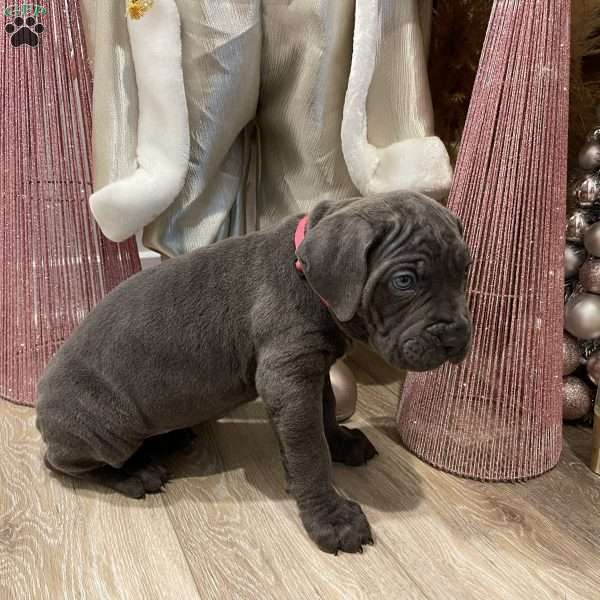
(454, 337)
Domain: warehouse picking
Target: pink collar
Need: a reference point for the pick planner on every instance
(298, 239)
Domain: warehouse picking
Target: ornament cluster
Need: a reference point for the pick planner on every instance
(581, 342)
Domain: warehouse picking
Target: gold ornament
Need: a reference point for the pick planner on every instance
(136, 9)
(577, 399)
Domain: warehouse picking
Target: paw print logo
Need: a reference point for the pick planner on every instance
(24, 31)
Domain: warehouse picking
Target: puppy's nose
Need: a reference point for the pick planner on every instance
(453, 336)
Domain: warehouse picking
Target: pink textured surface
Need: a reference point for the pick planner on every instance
(54, 263)
(498, 415)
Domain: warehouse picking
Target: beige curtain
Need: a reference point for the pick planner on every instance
(306, 55)
(288, 103)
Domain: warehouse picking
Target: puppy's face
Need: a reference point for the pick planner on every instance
(393, 269)
(414, 305)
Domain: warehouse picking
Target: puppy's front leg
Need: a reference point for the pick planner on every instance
(294, 403)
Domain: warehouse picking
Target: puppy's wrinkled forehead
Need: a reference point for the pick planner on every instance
(418, 228)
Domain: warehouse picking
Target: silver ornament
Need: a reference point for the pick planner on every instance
(571, 354)
(344, 388)
(577, 399)
(593, 367)
(591, 239)
(586, 190)
(574, 258)
(589, 157)
(593, 135)
(576, 227)
(582, 316)
(589, 275)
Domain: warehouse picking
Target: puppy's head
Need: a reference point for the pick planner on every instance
(393, 271)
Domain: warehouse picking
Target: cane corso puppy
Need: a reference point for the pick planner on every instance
(262, 315)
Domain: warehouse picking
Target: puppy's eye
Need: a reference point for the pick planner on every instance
(403, 281)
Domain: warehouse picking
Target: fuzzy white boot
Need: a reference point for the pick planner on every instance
(163, 147)
(387, 128)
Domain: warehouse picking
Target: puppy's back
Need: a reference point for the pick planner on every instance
(168, 348)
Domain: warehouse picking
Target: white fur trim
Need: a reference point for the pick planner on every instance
(125, 206)
(361, 157)
(418, 164)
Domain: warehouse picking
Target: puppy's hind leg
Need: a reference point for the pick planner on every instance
(143, 473)
(139, 476)
(348, 446)
(140, 473)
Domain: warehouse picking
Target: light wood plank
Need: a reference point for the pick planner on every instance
(569, 495)
(531, 550)
(243, 535)
(64, 539)
(226, 528)
(39, 517)
(129, 548)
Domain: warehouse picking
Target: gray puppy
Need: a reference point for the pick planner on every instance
(187, 341)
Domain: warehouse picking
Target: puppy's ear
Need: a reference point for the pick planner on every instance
(334, 258)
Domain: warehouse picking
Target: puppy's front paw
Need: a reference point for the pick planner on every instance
(337, 524)
(351, 447)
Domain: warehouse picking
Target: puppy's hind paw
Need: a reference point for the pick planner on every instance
(133, 481)
(351, 447)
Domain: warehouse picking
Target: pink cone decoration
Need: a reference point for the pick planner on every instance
(54, 263)
(498, 415)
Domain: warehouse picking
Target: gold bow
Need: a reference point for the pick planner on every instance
(136, 9)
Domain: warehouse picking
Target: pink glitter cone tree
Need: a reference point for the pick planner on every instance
(54, 263)
(498, 415)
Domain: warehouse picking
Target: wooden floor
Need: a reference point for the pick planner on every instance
(226, 529)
